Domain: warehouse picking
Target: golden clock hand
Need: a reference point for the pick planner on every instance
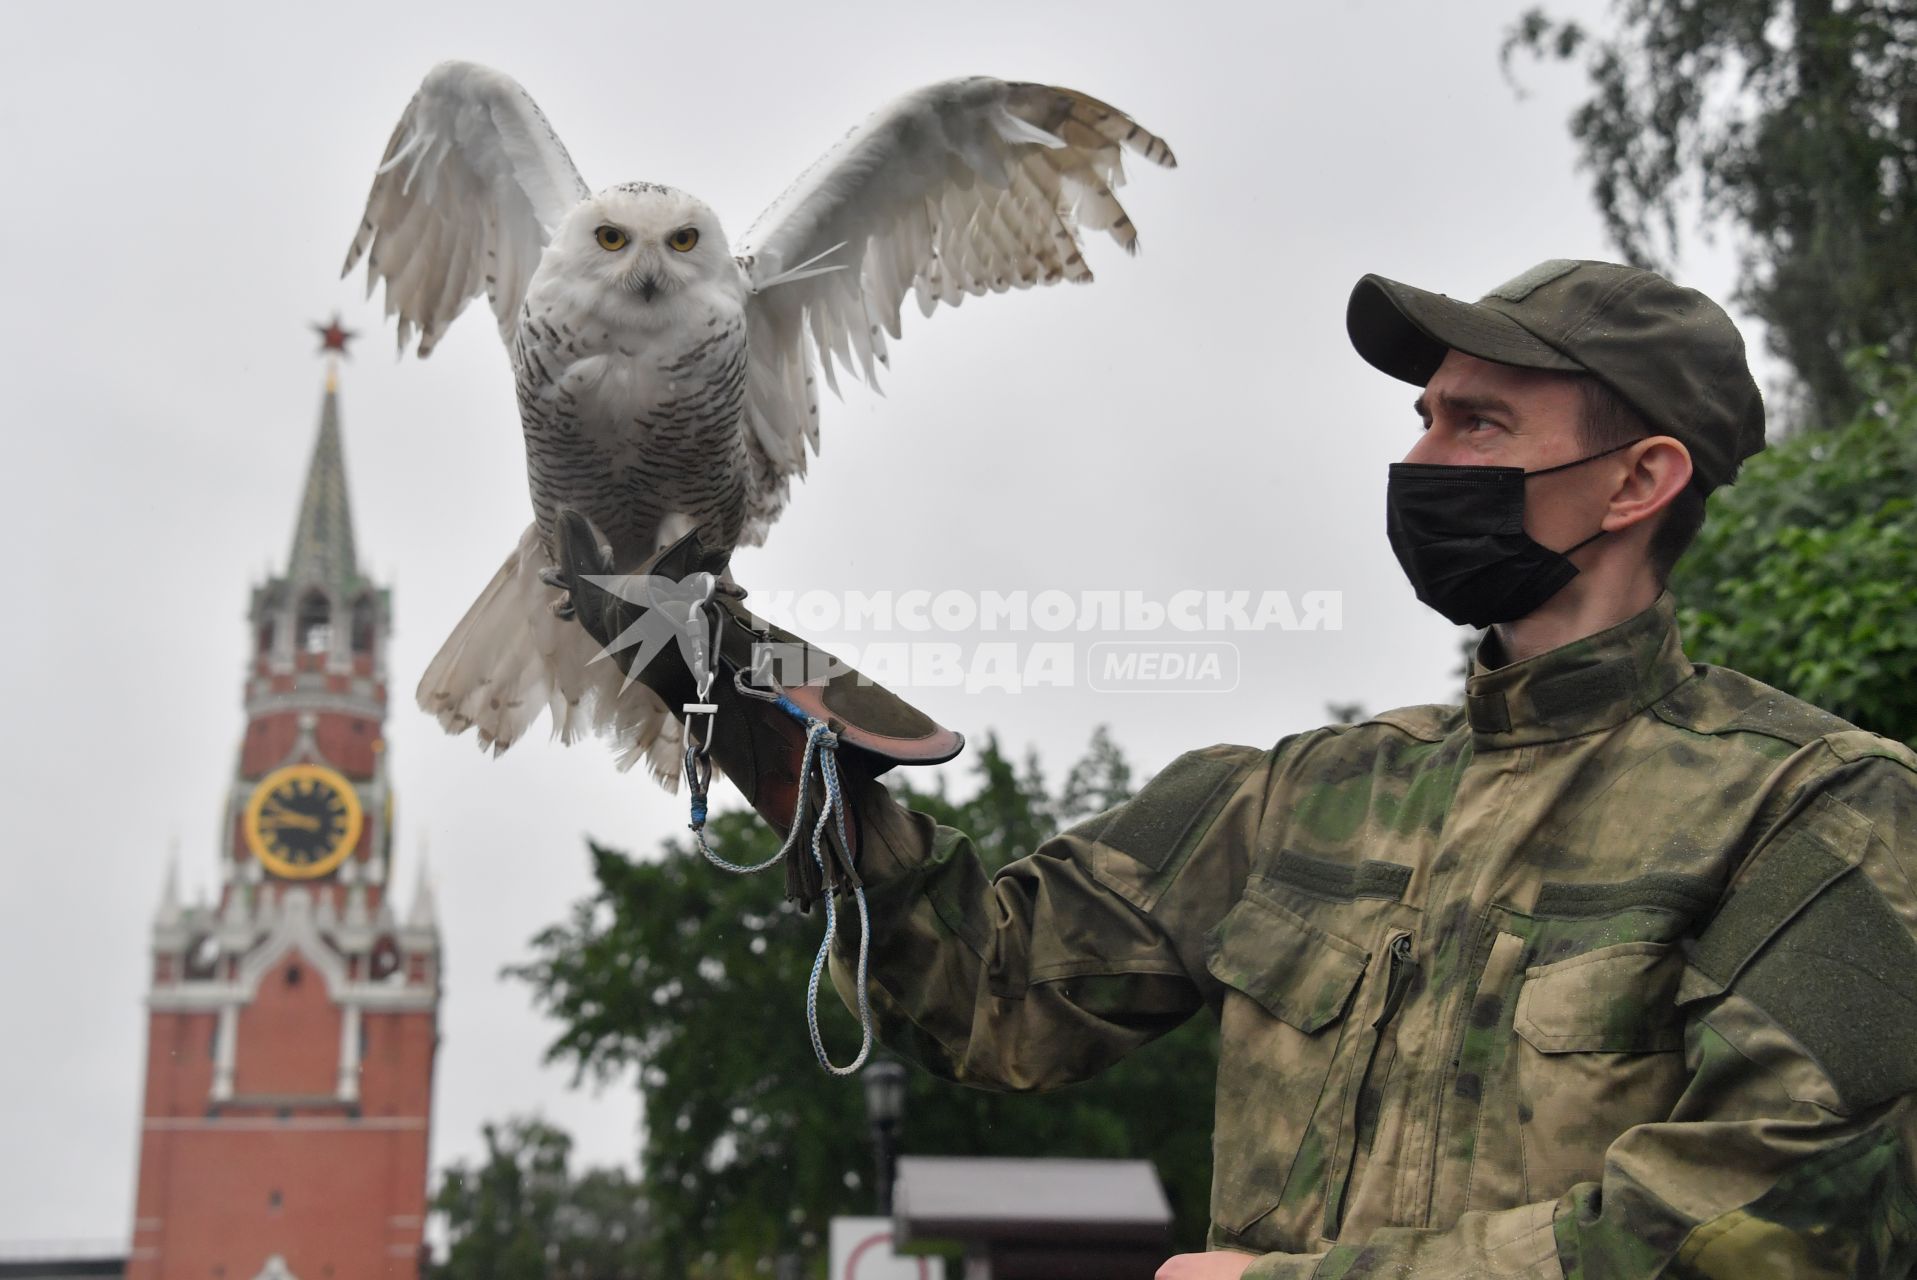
(283, 818)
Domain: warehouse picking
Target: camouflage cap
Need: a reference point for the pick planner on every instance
(1670, 352)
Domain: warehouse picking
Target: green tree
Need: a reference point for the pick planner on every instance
(1805, 575)
(1794, 121)
(521, 1215)
(696, 979)
(1095, 783)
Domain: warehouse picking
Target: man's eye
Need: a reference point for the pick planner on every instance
(1479, 423)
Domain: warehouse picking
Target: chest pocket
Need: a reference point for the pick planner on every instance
(1602, 1050)
(1288, 986)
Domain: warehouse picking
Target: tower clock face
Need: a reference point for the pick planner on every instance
(303, 821)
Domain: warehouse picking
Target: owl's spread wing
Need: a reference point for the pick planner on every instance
(468, 194)
(961, 187)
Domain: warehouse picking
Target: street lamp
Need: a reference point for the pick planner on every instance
(885, 1112)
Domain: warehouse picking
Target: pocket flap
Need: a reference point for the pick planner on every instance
(1618, 999)
(1294, 970)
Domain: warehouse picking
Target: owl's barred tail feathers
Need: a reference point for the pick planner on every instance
(510, 657)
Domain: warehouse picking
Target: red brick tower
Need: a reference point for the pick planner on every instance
(292, 1025)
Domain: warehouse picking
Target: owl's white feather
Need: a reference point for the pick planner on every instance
(509, 658)
(665, 385)
(962, 187)
(472, 186)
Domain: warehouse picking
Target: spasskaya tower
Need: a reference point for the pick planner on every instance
(292, 1023)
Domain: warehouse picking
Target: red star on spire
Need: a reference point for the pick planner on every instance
(334, 336)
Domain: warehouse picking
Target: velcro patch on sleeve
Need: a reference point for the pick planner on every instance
(1842, 979)
(1177, 805)
(1808, 939)
(1762, 904)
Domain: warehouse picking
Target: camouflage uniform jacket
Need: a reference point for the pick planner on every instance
(1609, 972)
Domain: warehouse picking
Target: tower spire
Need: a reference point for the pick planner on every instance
(424, 913)
(299, 961)
(323, 549)
(169, 913)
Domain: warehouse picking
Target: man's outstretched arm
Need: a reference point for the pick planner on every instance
(1068, 958)
(1059, 965)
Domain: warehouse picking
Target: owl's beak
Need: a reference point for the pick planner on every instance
(644, 277)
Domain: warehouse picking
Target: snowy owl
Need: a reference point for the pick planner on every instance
(666, 383)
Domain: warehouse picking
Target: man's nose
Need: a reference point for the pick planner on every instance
(1427, 449)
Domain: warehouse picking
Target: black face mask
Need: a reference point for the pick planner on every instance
(1458, 532)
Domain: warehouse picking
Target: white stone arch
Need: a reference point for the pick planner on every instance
(295, 929)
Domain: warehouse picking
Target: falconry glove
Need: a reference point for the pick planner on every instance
(764, 679)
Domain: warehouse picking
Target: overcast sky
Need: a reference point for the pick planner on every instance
(182, 183)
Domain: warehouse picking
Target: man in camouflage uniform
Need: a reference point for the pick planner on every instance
(1609, 972)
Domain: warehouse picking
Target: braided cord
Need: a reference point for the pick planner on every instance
(834, 811)
(821, 751)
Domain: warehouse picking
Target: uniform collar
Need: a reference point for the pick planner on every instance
(1582, 687)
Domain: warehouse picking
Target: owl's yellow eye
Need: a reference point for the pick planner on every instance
(683, 239)
(611, 239)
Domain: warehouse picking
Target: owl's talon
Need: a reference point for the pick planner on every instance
(555, 578)
(578, 545)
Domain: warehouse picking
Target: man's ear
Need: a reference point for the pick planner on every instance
(1657, 469)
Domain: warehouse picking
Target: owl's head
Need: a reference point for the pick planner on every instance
(653, 242)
